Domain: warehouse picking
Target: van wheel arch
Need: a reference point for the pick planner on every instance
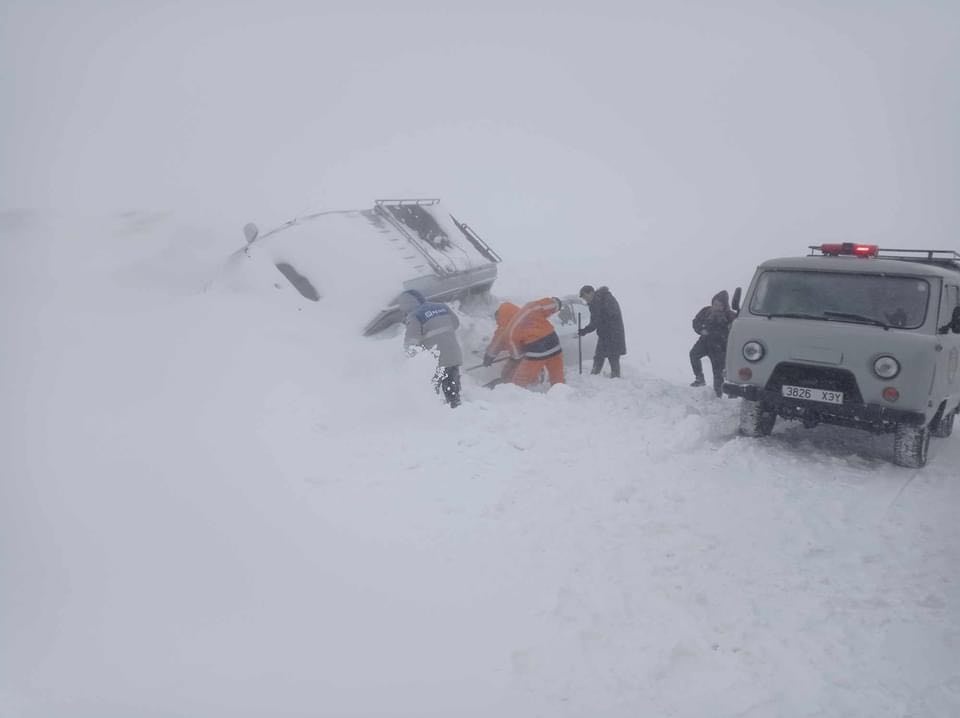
(942, 424)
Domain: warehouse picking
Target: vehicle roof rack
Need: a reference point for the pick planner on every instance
(404, 202)
(921, 255)
(947, 258)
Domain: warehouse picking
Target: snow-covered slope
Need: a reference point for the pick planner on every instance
(217, 500)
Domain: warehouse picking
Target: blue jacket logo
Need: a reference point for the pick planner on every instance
(429, 311)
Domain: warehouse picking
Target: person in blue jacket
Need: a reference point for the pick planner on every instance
(433, 326)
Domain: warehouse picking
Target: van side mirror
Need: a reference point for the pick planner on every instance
(735, 304)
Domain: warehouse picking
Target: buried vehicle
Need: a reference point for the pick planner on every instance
(372, 255)
(851, 335)
(359, 262)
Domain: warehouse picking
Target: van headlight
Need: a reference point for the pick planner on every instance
(886, 367)
(753, 351)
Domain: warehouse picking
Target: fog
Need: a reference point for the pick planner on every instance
(214, 502)
(742, 131)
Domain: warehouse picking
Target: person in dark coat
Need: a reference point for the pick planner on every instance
(606, 320)
(712, 324)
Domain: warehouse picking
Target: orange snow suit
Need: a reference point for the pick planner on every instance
(529, 337)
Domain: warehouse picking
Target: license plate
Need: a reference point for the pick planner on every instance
(804, 392)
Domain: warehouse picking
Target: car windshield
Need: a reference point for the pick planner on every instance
(835, 296)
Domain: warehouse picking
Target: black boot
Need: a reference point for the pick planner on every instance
(698, 381)
(450, 384)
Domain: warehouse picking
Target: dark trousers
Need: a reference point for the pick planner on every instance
(718, 358)
(447, 380)
(614, 365)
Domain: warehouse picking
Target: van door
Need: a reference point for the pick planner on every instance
(951, 344)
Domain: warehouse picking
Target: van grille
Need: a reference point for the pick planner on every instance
(816, 377)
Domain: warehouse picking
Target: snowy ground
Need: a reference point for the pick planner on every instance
(216, 501)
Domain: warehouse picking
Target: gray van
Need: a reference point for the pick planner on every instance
(851, 335)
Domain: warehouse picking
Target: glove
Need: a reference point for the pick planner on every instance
(582, 332)
(487, 360)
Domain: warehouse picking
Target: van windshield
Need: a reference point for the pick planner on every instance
(834, 296)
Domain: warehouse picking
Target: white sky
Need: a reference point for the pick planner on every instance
(158, 438)
(750, 125)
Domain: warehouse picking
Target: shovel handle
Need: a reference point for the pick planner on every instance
(579, 345)
(480, 366)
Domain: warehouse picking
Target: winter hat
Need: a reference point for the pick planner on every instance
(505, 312)
(409, 300)
(586, 289)
(723, 298)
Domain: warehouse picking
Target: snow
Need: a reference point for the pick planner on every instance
(218, 502)
(341, 254)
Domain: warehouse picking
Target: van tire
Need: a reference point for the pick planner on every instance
(943, 427)
(756, 419)
(911, 445)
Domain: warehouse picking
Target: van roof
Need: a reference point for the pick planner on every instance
(864, 265)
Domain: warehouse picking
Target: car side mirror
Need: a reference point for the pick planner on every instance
(735, 304)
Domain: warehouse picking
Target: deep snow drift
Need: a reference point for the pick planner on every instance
(218, 500)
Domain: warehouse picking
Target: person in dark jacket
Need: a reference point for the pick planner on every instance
(606, 320)
(433, 326)
(712, 324)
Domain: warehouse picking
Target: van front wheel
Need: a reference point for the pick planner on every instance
(756, 419)
(910, 446)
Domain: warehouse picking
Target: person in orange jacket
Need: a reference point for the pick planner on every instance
(531, 341)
